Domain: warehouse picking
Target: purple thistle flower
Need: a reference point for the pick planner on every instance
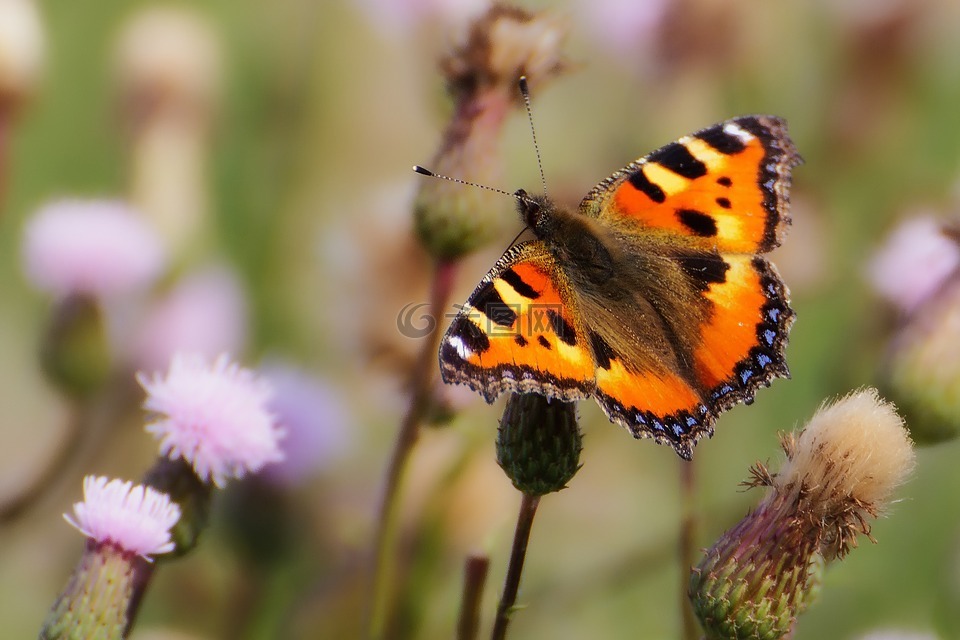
(213, 416)
(137, 519)
(97, 248)
(914, 262)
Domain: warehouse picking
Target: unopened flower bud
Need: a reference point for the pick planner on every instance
(539, 443)
(482, 76)
(923, 367)
(75, 352)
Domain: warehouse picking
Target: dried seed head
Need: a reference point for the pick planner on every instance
(840, 471)
(852, 454)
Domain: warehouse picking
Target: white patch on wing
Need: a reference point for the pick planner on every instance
(734, 129)
(462, 349)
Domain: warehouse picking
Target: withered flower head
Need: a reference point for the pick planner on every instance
(502, 45)
(840, 472)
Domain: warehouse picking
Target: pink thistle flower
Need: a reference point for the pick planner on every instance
(916, 259)
(137, 519)
(315, 419)
(204, 313)
(214, 416)
(98, 248)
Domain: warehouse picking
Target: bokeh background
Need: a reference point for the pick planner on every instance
(291, 166)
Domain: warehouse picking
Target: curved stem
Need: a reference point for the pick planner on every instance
(475, 576)
(422, 377)
(688, 536)
(528, 509)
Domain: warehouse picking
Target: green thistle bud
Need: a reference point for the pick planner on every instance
(539, 443)
(95, 603)
(755, 580)
(75, 352)
(840, 471)
(923, 371)
(177, 479)
(482, 75)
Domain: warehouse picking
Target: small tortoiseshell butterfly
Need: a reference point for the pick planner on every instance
(653, 297)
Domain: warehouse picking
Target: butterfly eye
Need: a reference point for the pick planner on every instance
(529, 209)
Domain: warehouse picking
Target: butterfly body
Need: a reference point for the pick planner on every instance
(653, 296)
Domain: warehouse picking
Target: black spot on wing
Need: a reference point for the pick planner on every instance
(490, 304)
(724, 181)
(562, 328)
(724, 142)
(520, 340)
(640, 182)
(602, 352)
(704, 269)
(544, 342)
(512, 278)
(472, 337)
(724, 202)
(677, 158)
(698, 222)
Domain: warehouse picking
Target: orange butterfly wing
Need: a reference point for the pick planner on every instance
(723, 191)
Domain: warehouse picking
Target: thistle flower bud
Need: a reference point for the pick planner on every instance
(840, 471)
(75, 353)
(482, 76)
(538, 443)
(923, 367)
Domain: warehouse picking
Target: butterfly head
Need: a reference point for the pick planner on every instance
(534, 210)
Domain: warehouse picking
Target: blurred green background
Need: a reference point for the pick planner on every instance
(308, 190)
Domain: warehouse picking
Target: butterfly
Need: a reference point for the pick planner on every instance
(654, 296)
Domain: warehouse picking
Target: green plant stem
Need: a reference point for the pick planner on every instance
(420, 387)
(528, 509)
(5, 125)
(474, 578)
(688, 536)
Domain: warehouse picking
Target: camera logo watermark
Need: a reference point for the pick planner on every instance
(415, 320)
(410, 325)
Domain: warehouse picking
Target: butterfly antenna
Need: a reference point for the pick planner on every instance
(525, 92)
(426, 172)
